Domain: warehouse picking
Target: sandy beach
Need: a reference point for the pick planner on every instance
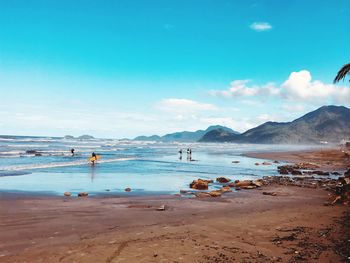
(174, 131)
(242, 226)
(327, 159)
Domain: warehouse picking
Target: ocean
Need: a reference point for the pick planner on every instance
(45, 165)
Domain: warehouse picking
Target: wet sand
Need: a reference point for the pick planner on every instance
(243, 226)
(327, 159)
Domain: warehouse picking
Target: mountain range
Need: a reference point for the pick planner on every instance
(185, 136)
(326, 124)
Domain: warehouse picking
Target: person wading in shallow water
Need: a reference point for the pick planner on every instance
(180, 152)
(93, 158)
(72, 151)
(189, 154)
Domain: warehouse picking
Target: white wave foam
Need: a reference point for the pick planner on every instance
(29, 139)
(28, 146)
(53, 151)
(11, 152)
(60, 164)
(84, 146)
(10, 156)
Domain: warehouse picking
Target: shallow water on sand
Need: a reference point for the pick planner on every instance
(145, 167)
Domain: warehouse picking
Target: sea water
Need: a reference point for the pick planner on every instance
(45, 165)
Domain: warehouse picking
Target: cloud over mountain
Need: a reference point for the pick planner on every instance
(298, 87)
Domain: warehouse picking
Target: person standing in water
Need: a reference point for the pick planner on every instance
(72, 151)
(93, 158)
(180, 152)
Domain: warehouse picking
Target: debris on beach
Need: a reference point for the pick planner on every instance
(200, 184)
(270, 193)
(225, 189)
(336, 199)
(243, 183)
(248, 184)
(303, 168)
(319, 173)
(67, 193)
(247, 187)
(342, 190)
(161, 208)
(83, 194)
(201, 194)
(186, 192)
(339, 188)
(258, 182)
(215, 193)
(266, 163)
(294, 169)
(296, 172)
(223, 180)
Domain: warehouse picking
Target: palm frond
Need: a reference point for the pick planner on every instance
(342, 73)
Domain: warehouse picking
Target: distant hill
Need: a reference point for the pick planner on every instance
(148, 138)
(86, 137)
(82, 137)
(328, 123)
(185, 136)
(219, 135)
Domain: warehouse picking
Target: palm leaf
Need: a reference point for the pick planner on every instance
(345, 70)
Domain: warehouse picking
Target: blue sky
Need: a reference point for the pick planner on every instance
(124, 68)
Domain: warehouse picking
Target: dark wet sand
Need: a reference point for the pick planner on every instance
(327, 159)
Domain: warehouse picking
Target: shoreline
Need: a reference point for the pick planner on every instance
(106, 194)
(246, 225)
(327, 159)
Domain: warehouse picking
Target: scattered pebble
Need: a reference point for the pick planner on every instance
(161, 208)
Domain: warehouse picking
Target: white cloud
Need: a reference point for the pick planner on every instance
(261, 26)
(239, 88)
(237, 124)
(253, 103)
(299, 87)
(241, 123)
(293, 107)
(224, 121)
(182, 106)
(264, 117)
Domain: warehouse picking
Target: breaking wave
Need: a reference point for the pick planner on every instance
(60, 164)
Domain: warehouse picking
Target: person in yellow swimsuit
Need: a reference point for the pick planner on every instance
(93, 158)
